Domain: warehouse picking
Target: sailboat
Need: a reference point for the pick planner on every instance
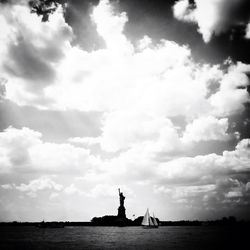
(148, 222)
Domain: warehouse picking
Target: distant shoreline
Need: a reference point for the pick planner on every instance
(222, 222)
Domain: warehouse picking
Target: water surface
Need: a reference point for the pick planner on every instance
(170, 237)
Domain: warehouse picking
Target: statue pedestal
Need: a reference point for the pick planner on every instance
(121, 212)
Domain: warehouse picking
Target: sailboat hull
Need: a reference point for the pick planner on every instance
(149, 227)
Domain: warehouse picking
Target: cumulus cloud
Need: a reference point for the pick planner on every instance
(205, 129)
(160, 78)
(124, 129)
(72, 189)
(7, 186)
(203, 167)
(110, 26)
(30, 49)
(213, 16)
(209, 180)
(39, 184)
(22, 150)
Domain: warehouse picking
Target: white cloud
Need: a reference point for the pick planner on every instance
(182, 11)
(7, 186)
(232, 93)
(248, 31)
(110, 27)
(208, 181)
(160, 79)
(53, 195)
(212, 16)
(86, 141)
(122, 130)
(72, 189)
(22, 150)
(206, 168)
(205, 129)
(39, 184)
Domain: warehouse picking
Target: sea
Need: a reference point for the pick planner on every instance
(167, 237)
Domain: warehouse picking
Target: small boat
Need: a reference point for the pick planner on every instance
(148, 221)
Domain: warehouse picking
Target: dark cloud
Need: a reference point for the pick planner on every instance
(77, 15)
(241, 123)
(33, 63)
(2, 88)
(55, 126)
(231, 196)
(24, 62)
(155, 18)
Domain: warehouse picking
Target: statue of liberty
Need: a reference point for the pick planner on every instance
(121, 209)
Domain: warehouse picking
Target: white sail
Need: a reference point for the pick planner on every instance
(145, 221)
(150, 222)
(155, 221)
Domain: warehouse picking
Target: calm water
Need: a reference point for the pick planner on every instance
(172, 237)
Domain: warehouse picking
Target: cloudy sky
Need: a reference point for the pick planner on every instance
(148, 96)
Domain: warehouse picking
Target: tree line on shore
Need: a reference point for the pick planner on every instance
(111, 220)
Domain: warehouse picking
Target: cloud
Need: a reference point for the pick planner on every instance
(72, 189)
(160, 78)
(22, 150)
(182, 10)
(213, 16)
(110, 26)
(248, 31)
(87, 141)
(39, 184)
(124, 129)
(43, 183)
(2, 89)
(7, 186)
(206, 128)
(209, 181)
(29, 51)
(201, 168)
(233, 91)
(53, 195)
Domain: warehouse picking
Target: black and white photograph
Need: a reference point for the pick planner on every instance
(124, 124)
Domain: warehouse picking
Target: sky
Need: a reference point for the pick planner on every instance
(148, 96)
